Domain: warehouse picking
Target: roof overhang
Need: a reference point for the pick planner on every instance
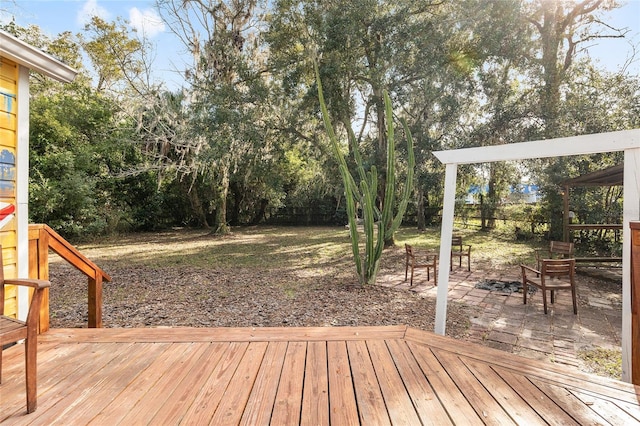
(35, 59)
(611, 176)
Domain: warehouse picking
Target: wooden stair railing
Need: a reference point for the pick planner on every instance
(42, 239)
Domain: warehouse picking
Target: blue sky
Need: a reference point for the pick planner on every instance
(55, 16)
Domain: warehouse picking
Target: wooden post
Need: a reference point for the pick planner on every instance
(39, 269)
(635, 302)
(42, 239)
(565, 214)
(95, 301)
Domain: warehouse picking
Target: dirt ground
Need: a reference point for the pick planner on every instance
(140, 296)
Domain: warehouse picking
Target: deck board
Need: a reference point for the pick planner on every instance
(582, 413)
(370, 375)
(163, 390)
(343, 408)
(511, 402)
(211, 391)
(98, 395)
(480, 398)
(259, 406)
(70, 383)
(426, 402)
(315, 398)
(398, 402)
(453, 400)
(537, 399)
(126, 400)
(237, 393)
(606, 409)
(286, 409)
(367, 389)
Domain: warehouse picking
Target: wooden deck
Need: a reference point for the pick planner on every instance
(279, 376)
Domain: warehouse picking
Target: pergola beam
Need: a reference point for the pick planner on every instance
(560, 147)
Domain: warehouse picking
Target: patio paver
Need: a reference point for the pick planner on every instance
(507, 324)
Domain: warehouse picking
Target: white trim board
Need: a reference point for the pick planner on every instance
(560, 147)
(35, 59)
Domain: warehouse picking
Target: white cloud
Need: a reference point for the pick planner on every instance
(146, 22)
(90, 9)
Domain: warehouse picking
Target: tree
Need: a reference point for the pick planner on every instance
(477, 40)
(227, 90)
(114, 53)
(364, 48)
(562, 31)
(597, 101)
(79, 148)
(563, 27)
(245, 132)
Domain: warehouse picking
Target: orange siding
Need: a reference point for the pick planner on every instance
(8, 144)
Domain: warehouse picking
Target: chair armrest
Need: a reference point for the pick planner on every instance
(28, 282)
(530, 269)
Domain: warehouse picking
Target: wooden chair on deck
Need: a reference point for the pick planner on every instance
(555, 274)
(458, 250)
(13, 330)
(557, 250)
(411, 261)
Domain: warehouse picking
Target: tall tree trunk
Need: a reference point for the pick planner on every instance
(222, 227)
(551, 36)
(494, 200)
(260, 212)
(563, 23)
(483, 213)
(196, 203)
(238, 196)
(422, 225)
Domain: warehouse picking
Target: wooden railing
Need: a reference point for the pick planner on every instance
(42, 239)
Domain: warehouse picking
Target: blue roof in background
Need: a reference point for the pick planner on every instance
(520, 189)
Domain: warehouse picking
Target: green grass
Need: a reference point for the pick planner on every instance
(495, 248)
(259, 247)
(269, 247)
(604, 362)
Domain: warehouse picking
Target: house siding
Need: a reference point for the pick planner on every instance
(8, 196)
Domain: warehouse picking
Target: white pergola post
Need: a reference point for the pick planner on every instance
(448, 209)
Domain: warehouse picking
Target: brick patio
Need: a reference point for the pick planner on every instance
(507, 324)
